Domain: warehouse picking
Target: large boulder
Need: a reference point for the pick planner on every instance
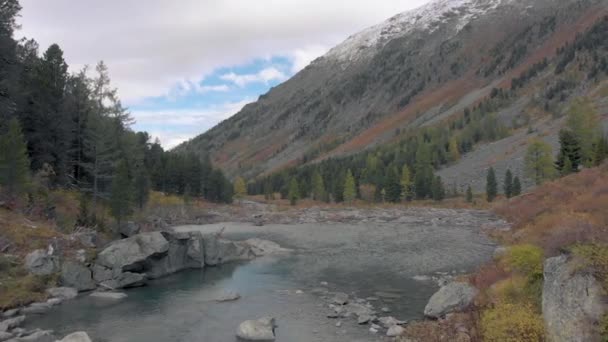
(76, 275)
(257, 330)
(39, 262)
(129, 228)
(572, 302)
(220, 251)
(185, 251)
(455, 296)
(125, 280)
(11, 323)
(79, 336)
(130, 254)
(63, 293)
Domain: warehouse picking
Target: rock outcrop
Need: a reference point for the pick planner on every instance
(129, 229)
(76, 275)
(452, 297)
(39, 262)
(257, 330)
(132, 253)
(572, 302)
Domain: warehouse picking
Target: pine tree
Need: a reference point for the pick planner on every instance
(539, 161)
(491, 185)
(424, 172)
(293, 194)
(240, 189)
(516, 186)
(121, 199)
(469, 196)
(407, 192)
(318, 187)
(14, 163)
(508, 186)
(438, 189)
(141, 185)
(392, 186)
(570, 152)
(350, 191)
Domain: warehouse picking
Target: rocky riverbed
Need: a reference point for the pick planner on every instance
(386, 262)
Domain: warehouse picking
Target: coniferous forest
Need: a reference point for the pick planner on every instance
(68, 129)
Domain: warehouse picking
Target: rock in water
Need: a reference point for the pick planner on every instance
(125, 280)
(79, 336)
(64, 293)
(39, 262)
(109, 295)
(228, 296)
(572, 302)
(340, 298)
(394, 331)
(5, 336)
(257, 330)
(452, 297)
(12, 323)
(37, 336)
(76, 275)
(130, 254)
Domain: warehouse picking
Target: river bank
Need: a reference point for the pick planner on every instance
(393, 260)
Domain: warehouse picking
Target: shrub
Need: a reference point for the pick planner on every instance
(519, 290)
(525, 259)
(595, 258)
(511, 323)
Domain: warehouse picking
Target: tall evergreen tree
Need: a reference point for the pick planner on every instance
(539, 161)
(318, 186)
(508, 186)
(392, 186)
(293, 193)
(424, 172)
(438, 189)
(491, 185)
(407, 191)
(350, 191)
(469, 195)
(14, 163)
(141, 186)
(516, 186)
(583, 122)
(570, 153)
(121, 199)
(600, 151)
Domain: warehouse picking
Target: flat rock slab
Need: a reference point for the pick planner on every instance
(257, 330)
(109, 295)
(455, 296)
(64, 293)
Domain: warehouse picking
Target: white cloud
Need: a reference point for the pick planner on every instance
(174, 126)
(264, 76)
(151, 46)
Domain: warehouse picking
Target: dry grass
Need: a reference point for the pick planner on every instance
(458, 327)
(23, 234)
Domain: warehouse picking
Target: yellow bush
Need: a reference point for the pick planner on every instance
(525, 259)
(511, 323)
(160, 199)
(594, 257)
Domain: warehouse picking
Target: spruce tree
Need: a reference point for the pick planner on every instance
(438, 189)
(516, 186)
(583, 122)
(539, 161)
(491, 185)
(570, 152)
(293, 193)
(392, 186)
(508, 186)
(600, 151)
(424, 172)
(469, 196)
(318, 187)
(121, 199)
(240, 188)
(350, 191)
(407, 192)
(14, 163)
(141, 185)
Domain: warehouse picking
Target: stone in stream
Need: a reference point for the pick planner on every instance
(455, 296)
(39, 262)
(340, 298)
(36, 308)
(390, 321)
(10, 313)
(228, 296)
(79, 336)
(109, 295)
(257, 330)
(54, 301)
(572, 302)
(395, 330)
(11, 323)
(125, 280)
(364, 319)
(64, 293)
(76, 275)
(36, 336)
(5, 336)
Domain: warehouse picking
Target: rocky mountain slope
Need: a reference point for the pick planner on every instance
(421, 68)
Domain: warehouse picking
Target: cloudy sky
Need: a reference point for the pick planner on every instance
(183, 66)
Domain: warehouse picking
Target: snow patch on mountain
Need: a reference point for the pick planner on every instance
(427, 18)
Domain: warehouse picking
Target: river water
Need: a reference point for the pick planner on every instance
(378, 260)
